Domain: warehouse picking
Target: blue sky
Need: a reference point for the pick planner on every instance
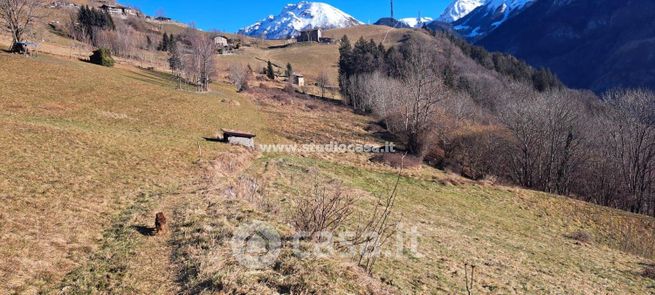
(231, 15)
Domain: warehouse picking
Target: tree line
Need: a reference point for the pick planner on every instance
(547, 138)
(541, 79)
(91, 20)
(190, 54)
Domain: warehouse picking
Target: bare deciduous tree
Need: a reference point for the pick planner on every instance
(375, 233)
(546, 142)
(18, 17)
(323, 82)
(630, 142)
(409, 103)
(200, 64)
(239, 75)
(424, 90)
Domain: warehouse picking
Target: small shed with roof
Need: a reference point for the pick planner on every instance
(237, 137)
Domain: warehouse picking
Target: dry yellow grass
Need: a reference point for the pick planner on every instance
(311, 59)
(81, 142)
(518, 239)
(386, 35)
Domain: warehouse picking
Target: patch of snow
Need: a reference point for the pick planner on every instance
(415, 22)
(504, 5)
(460, 8)
(474, 33)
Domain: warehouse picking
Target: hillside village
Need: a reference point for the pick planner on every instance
(146, 156)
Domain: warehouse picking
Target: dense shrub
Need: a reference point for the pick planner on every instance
(508, 65)
(102, 57)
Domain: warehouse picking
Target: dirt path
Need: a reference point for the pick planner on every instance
(131, 259)
(151, 269)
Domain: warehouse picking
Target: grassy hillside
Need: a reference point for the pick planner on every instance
(92, 153)
(83, 141)
(312, 59)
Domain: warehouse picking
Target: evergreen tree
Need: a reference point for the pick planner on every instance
(394, 63)
(269, 71)
(107, 20)
(365, 57)
(345, 62)
(381, 51)
(163, 46)
(171, 42)
(289, 71)
(543, 80)
(90, 20)
(175, 63)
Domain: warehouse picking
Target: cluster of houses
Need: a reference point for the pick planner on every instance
(125, 11)
(120, 10)
(226, 45)
(62, 4)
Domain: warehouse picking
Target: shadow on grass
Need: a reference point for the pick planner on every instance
(318, 97)
(144, 230)
(215, 139)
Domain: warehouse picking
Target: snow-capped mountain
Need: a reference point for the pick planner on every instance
(488, 17)
(458, 9)
(295, 18)
(415, 22)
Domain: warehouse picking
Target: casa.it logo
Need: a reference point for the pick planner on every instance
(256, 245)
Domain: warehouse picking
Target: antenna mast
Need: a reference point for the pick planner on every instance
(392, 9)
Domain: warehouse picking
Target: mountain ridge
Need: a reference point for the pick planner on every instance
(458, 9)
(295, 18)
(611, 41)
(488, 17)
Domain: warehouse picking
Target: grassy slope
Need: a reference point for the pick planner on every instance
(516, 238)
(87, 154)
(311, 59)
(80, 142)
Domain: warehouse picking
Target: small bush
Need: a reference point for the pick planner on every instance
(580, 236)
(102, 57)
(288, 88)
(322, 209)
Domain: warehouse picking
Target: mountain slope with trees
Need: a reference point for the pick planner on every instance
(596, 45)
(546, 135)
